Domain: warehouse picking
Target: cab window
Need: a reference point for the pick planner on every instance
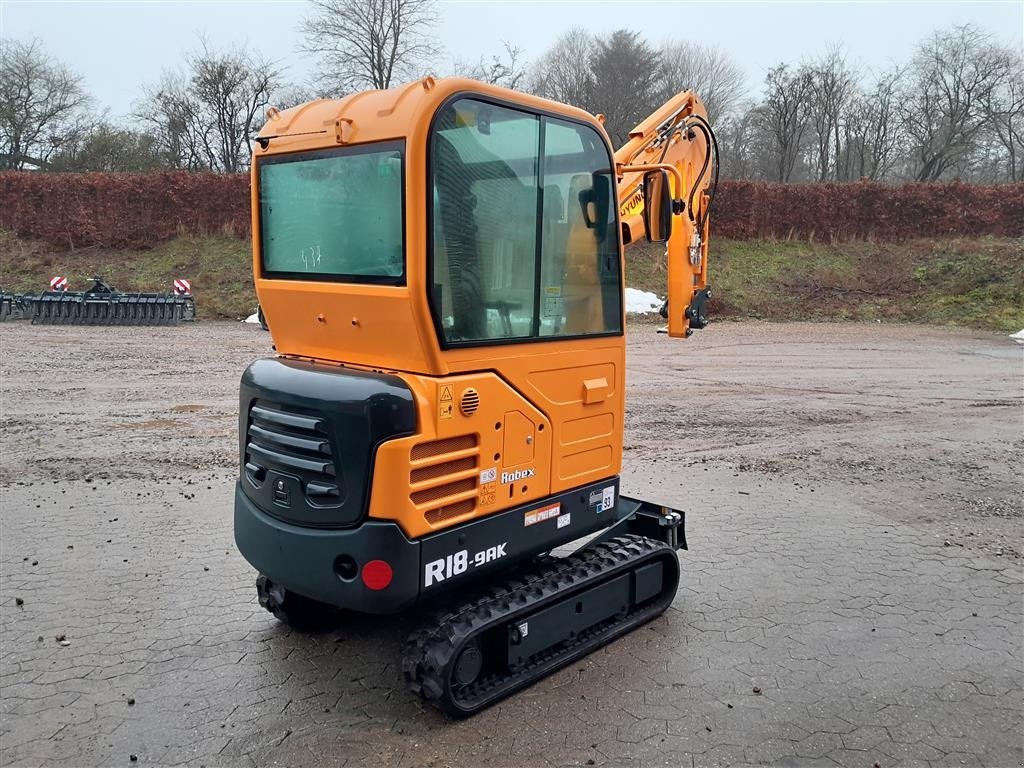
(333, 215)
(524, 239)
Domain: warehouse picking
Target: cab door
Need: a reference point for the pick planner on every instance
(526, 272)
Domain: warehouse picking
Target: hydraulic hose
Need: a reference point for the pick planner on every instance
(705, 126)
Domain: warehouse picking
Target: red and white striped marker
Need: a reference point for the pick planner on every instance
(181, 287)
(58, 283)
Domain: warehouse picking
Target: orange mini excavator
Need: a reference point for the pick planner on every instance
(440, 267)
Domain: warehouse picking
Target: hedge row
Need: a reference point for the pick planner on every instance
(866, 210)
(122, 210)
(140, 210)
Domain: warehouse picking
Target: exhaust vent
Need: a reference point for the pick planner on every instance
(470, 402)
(440, 447)
(444, 477)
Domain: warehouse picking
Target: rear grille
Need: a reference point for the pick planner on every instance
(440, 470)
(446, 445)
(444, 477)
(443, 491)
(441, 514)
(294, 443)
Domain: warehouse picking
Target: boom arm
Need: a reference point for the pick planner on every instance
(677, 138)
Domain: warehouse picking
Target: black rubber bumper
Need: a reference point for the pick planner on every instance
(304, 559)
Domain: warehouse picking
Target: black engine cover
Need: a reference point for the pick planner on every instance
(308, 435)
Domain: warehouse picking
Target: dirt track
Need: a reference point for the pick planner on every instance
(852, 594)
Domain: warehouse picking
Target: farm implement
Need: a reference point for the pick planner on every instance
(100, 304)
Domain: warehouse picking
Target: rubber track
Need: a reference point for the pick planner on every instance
(429, 652)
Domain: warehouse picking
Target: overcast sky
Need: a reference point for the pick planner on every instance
(118, 46)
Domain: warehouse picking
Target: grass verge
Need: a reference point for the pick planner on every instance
(968, 282)
(977, 283)
(219, 267)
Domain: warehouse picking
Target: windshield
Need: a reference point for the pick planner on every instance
(333, 215)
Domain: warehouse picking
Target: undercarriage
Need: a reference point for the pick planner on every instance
(532, 616)
(537, 620)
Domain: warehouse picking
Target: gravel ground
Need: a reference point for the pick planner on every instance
(853, 592)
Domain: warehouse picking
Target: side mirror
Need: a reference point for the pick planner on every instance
(657, 206)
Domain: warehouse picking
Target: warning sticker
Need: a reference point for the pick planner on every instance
(488, 486)
(564, 520)
(542, 514)
(608, 497)
(553, 303)
(446, 393)
(602, 500)
(446, 410)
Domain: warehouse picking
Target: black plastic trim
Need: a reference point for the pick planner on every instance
(302, 559)
(355, 412)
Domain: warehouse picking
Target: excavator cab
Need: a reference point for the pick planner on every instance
(440, 267)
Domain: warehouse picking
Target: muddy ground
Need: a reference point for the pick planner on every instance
(923, 425)
(853, 592)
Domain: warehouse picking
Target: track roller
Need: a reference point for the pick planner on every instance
(529, 625)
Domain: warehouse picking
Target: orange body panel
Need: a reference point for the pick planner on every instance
(548, 414)
(556, 409)
(389, 327)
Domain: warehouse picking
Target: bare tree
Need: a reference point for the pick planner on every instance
(110, 148)
(368, 43)
(952, 76)
(624, 71)
(782, 115)
(233, 89)
(563, 73)
(172, 113)
(42, 104)
(872, 130)
(208, 114)
(704, 69)
(832, 84)
(1004, 112)
(506, 69)
(740, 142)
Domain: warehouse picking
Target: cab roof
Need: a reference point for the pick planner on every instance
(396, 113)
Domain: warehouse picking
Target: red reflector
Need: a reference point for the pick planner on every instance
(376, 574)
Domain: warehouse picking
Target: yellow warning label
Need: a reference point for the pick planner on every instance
(446, 410)
(446, 393)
